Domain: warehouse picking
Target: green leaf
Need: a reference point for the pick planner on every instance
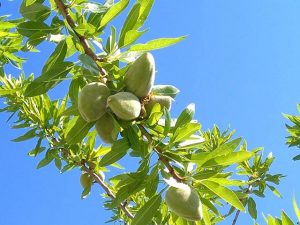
(88, 63)
(156, 44)
(152, 182)
(48, 80)
(30, 27)
(148, 211)
(165, 90)
(224, 193)
(227, 182)
(45, 161)
(135, 184)
(296, 209)
(129, 23)
(6, 25)
(118, 150)
(186, 116)
(28, 135)
(222, 150)
(206, 217)
(77, 129)
(145, 9)
(131, 36)
(285, 219)
(7, 91)
(275, 191)
(35, 12)
(297, 157)
(167, 124)
(184, 132)
(252, 208)
(57, 56)
(229, 159)
(115, 10)
(34, 40)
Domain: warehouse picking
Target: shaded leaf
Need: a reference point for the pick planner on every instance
(147, 212)
(28, 135)
(118, 150)
(252, 208)
(48, 80)
(77, 129)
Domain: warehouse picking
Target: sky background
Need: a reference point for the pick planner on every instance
(239, 65)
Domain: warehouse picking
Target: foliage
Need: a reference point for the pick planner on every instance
(226, 175)
(294, 131)
(285, 219)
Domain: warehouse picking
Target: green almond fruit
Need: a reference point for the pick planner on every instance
(184, 202)
(107, 129)
(92, 101)
(85, 180)
(139, 78)
(164, 101)
(125, 105)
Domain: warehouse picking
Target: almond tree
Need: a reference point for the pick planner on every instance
(186, 175)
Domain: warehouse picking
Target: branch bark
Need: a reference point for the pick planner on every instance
(83, 41)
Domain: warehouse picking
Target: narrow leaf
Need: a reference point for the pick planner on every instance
(148, 211)
(118, 150)
(186, 116)
(222, 150)
(252, 208)
(297, 211)
(224, 193)
(156, 44)
(48, 80)
(229, 159)
(286, 219)
(113, 12)
(77, 129)
(28, 135)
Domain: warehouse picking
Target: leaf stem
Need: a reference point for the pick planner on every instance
(83, 41)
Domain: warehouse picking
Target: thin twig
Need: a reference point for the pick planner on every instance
(236, 217)
(83, 41)
(162, 158)
(106, 189)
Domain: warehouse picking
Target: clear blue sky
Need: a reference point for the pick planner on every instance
(240, 65)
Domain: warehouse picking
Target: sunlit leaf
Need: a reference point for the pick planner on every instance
(224, 193)
(115, 10)
(156, 44)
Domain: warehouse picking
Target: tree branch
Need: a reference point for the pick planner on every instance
(162, 158)
(83, 41)
(106, 189)
(236, 217)
(98, 179)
